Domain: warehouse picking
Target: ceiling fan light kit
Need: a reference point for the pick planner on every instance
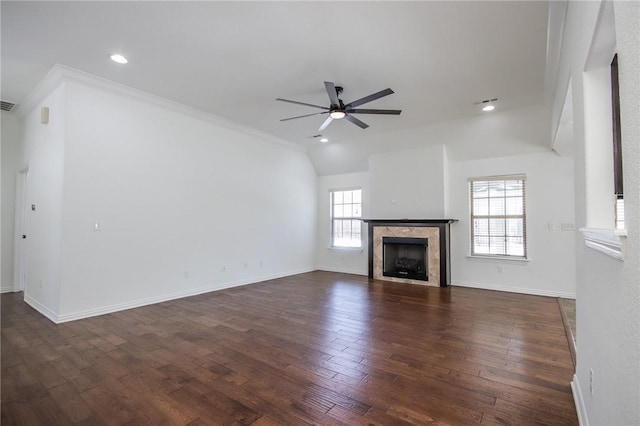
(117, 58)
(338, 110)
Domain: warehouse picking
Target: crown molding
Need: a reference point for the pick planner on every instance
(60, 74)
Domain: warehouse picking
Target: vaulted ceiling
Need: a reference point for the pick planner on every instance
(232, 59)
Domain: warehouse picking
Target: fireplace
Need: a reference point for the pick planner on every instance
(414, 251)
(405, 257)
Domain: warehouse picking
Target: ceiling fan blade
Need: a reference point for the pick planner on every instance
(331, 91)
(325, 124)
(374, 111)
(301, 103)
(370, 98)
(355, 121)
(306, 115)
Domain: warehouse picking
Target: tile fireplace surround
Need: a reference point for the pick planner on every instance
(435, 230)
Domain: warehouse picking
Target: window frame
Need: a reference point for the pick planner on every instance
(472, 248)
(332, 242)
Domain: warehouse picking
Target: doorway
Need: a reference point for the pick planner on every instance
(21, 231)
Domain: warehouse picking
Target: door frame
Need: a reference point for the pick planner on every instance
(21, 226)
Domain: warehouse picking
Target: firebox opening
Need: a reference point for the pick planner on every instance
(405, 258)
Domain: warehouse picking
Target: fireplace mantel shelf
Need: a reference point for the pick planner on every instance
(408, 221)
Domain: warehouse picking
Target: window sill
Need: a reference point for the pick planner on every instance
(499, 258)
(354, 249)
(608, 241)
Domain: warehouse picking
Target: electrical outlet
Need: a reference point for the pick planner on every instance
(224, 268)
(591, 381)
(500, 268)
(186, 275)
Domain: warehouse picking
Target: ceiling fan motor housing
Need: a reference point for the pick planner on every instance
(337, 109)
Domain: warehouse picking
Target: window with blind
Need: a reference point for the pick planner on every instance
(346, 214)
(617, 145)
(498, 220)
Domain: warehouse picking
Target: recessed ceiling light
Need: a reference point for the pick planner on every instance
(323, 140)
(119, 59)
(488, 108)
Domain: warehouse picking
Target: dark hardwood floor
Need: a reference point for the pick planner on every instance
(318, 348)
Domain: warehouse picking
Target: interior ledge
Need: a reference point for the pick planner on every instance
(608, 241)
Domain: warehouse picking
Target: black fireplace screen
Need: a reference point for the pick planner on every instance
(405, 257)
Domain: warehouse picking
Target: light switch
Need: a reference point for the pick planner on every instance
(97, 226)
(44, 115)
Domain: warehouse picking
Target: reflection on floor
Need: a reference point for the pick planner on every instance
(568, 311)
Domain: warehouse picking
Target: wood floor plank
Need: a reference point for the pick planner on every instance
(316, 348)
(71, 402)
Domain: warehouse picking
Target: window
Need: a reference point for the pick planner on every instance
(617, 145)
(498, 226)
(346, 212)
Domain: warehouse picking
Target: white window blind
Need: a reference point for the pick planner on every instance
(346, 214)
(620, 212)
(498, 219)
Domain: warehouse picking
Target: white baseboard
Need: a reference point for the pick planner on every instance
(522, 290)
(341, 270)
(56, 318)
(41, 308)
(7, 290)
(583, 420)
(102, 310)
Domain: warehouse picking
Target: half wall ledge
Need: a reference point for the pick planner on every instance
(437, 230)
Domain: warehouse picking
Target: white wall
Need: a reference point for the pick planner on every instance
(599, 196)
(186, 203)
(607, 294)
(424, 184)
(549, 200)
(351, 261)
(44, 152)
(408, 184)
(626, 307)
(508, 132)
(404, 184)
(10, 154)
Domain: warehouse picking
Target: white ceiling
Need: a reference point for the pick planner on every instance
(233, 59)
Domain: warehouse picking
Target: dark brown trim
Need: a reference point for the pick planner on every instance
(445, 261)
(407, 222)
(617, 132)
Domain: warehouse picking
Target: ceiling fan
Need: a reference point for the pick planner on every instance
(338, 109)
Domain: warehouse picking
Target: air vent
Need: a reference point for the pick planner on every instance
(6, 106)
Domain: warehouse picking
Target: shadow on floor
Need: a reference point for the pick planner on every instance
(568, 311)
